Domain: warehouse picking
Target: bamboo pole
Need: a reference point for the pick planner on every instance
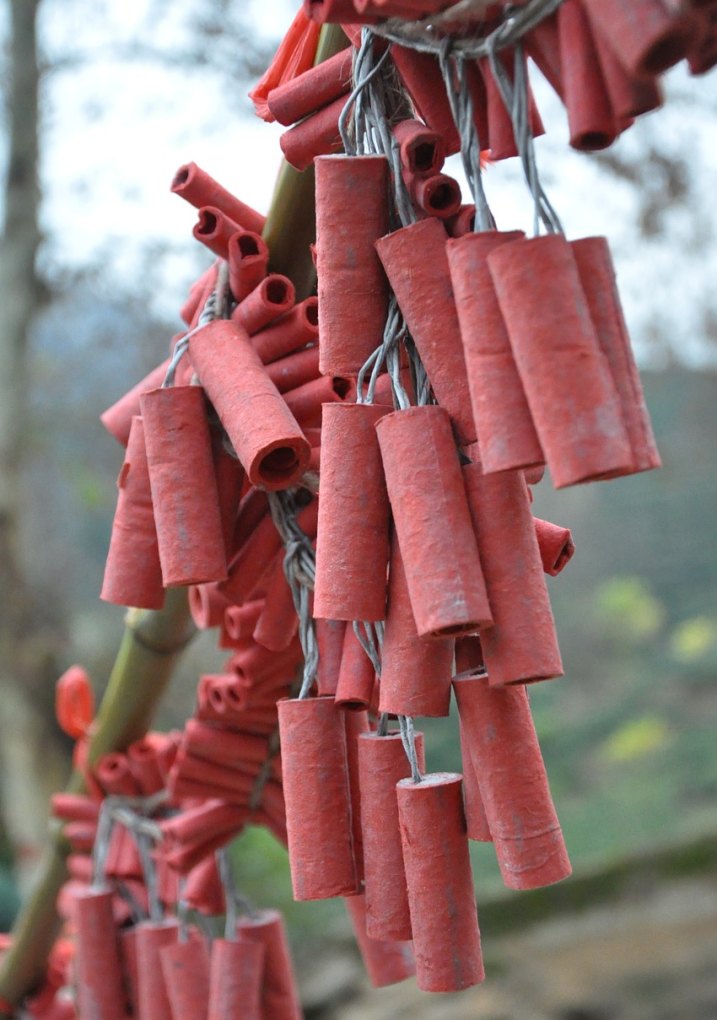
(152, 640)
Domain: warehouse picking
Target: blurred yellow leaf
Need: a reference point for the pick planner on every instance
(691, 639)
(635, 739)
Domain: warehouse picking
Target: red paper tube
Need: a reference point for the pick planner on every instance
(629, 96)
(115, 776)
(277, 625)
(223, 746)
(444, 920)
(184, 488)
(264, 433)
(240, 621)
(415, 674)
(259, 665)
(182, 860)
(133, 575)
(305, 402)
(280, 996)
(647, 36)
(199, 189)
(445, 581)
(423, 80)
(144, 764)
(80, 868)
(351, 214)
(542, 45)
(330, 641)
(318, 809)
(248, 257)
(317, 135)
(357, 679)
(566, 376)
(203, 889)
(555, 544)
(417, 268)
(522, 645)
(476, 822)
(74, 807)
(229, 480)
(232, 784)
(463, 222)
(214, 229)
(118, 418)
(152, 998)
(335, 11)
(253, 508)
(500, 125)
(307, 92)
(292, 331)
(273, 297)
(352, 536)
(100, 988)
(438, 195)
(356, 724)
(513, 784)
(235, 984)
(295, 369)
(207, 605)
(185, 967)
(597, 276)
(591, 119)
(81, 836)
(506, 434)
(422, 150)
(212, 818)
(382, 762)
(387, 962)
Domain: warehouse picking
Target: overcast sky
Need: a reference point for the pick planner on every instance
(115, 133)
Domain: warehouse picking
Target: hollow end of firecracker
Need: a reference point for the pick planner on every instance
(182, 176)
(276, 291)
(281, 462)
(248, 244)
(206, 224)
(422, 156)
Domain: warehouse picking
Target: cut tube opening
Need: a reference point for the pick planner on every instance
(207, 223)
(278, 464)
(216, 699)
(312, 312)
(341, 386)
(423, 156)
(248, 244)
(276, 292)
(592, 140)
(181, 177)
(442, 197)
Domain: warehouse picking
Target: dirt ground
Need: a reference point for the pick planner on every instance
(650, 957)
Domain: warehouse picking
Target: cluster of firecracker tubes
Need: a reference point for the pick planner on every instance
(393, 426)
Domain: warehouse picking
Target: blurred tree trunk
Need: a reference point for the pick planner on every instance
(33, 759)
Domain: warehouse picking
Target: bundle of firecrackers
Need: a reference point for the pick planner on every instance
(412, 496)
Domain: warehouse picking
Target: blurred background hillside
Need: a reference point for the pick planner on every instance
(124, 97)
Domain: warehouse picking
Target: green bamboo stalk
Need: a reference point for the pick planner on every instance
(291, 225)
(153, 640)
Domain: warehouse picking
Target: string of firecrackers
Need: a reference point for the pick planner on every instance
(427, 554)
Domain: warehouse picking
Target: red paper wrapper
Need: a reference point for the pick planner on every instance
(184, 488)
(292, 331)
(248, 258)
(235, 987)
(316, 790)
(506, 434)
(280, 996)
(514, 787)
(591, 119)
(351, 214)
(555, 544)
(386, 962)
(318, 135)
(444, 920)
(422, 77)
(198, 188)
(330, 641)
(647, 35)
(417, 268)
(356, 724)
(352, 536)
(100, 988)
(522, 645)
(293, 100)
(295, 369)
(264, 433)
(476, 822)
(214, 229)
(272, 298)
(117, 419)
(382, 762)
(152, 997)
(445, 581)
(357, 679)
(438, 195)
(185, 966)
(422, 150)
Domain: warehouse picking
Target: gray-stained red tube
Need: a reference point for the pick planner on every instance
(316, 792)
(280, 996)
(382, 762)
(417, 268)
(566, 376)
(352, 536)
(415, 673)
(183, 484)
(100, 987)
(263, 431)
(522, 646)
(185, 967)
(444, 919)
(351, 214)
(198, 188)
(133, 575)
(504, 747)
(506, 434)
(597, 276)
(236, 975)
(423, 478)
(307, 92)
